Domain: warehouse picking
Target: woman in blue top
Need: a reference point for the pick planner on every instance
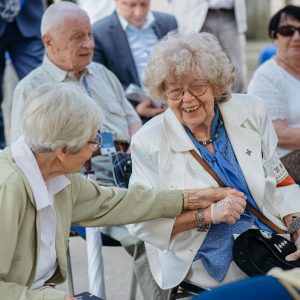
(233, 135)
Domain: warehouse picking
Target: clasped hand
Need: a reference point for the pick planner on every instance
(203, 198)
(228, 210)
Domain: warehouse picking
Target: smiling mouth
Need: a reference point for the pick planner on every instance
(85, 55)
(191, 109)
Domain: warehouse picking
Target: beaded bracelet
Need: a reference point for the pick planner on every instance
(295, 224)
(199, 218)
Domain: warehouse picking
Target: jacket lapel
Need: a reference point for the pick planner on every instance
(177, 138)
(157, 26)
(246, 144)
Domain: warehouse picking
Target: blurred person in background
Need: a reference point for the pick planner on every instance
(227, 20)
(96, 9)
(124, 41)
(20, 41)
(277, 82)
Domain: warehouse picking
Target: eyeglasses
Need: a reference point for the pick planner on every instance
(97, 142)
(195, 90)
(288, 30)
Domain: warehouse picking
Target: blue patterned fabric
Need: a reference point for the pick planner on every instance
(216, 250)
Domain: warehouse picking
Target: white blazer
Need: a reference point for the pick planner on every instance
(191, 14)
(161, 159)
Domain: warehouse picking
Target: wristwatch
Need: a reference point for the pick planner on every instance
(185, 197)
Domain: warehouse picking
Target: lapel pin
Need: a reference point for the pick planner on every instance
(248, 152)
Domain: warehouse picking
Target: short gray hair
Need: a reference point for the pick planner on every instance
(56, 14)
(197, 54)
(59, 115)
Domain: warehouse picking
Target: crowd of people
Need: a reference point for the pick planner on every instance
(199, 118)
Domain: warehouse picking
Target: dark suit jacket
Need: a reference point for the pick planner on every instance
(112, 48)
(29, 18)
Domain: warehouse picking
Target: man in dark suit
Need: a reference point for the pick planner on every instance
(20, 37)
(124, 40)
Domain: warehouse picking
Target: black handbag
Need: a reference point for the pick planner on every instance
(257, 251)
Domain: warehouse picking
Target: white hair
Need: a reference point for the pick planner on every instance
(196, 54)
(59, 115)
(56, 14)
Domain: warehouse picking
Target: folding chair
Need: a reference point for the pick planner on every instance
(106, 241)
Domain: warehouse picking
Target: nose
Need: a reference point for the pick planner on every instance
(88, 42)
(187, 96)
(296, 34)
(138, 11)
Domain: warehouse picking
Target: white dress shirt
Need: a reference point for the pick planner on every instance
(43, 193)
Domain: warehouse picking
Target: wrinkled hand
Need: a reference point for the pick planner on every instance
(203, 198)
(227, 210)
(69, 297)
(146, 109)
(295, 255)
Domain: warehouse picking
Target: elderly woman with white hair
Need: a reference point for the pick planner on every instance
(40, 197)
(206, 137)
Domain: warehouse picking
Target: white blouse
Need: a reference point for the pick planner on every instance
(43, 193)
(281, 93)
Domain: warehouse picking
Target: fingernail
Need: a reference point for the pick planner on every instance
(289, 258)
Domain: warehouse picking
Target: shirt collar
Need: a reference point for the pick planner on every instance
(59, 74)
(42, 191)
(148, 23)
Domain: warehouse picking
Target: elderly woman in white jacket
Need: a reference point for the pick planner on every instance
(233, 135)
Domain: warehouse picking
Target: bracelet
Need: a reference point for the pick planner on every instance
(295, 224)
(199, 218)
(185, 197)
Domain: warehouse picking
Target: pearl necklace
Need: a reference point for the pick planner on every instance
(215, 136)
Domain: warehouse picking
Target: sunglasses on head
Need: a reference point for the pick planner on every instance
(288, 30)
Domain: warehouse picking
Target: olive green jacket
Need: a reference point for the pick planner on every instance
(83, 203)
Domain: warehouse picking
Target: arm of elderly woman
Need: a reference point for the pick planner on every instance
(288, 137)
(228, 210)
(133, 207)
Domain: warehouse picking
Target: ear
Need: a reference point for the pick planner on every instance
(61, 153)
(47, 40)
(273, 35)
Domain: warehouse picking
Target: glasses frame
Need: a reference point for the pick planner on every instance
(288, 27)
(167, 92)
(97, 142)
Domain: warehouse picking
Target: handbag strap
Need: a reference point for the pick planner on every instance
(249, 207)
